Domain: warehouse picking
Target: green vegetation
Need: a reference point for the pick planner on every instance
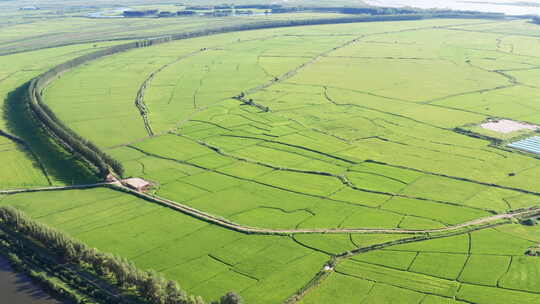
(32, 159)
(78, 257)
(306, 135)
(485, 269)
(115, 222)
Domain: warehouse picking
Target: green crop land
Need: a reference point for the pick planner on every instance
(306, 132)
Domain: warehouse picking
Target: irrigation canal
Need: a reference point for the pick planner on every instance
(16, 288)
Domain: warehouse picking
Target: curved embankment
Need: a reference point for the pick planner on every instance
(101, 162)
(214, 219)
(139, 100)
(524, 213)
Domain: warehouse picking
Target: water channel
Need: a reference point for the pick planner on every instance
(16, 288)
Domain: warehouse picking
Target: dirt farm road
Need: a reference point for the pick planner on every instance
(214, 219)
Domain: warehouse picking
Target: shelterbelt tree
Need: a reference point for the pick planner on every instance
(309, 164)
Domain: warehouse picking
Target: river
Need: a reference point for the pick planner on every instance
(509, 7)
(16, 288)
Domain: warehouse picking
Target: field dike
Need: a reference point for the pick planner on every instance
(330, 266)
(103, 164)
(139, 100)
(342, 178)
(521, 214)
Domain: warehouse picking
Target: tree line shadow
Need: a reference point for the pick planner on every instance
(47, 155)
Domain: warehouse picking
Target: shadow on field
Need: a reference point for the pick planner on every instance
(60, 165)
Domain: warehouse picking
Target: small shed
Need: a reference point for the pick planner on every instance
(137, 184)
(110, 178)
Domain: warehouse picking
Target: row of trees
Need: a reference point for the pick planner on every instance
(101, 160)
(142, 13)
(536, 20)
(22, 262)
(150, 285)
(65, 135)
(380, 11)
(89, 151)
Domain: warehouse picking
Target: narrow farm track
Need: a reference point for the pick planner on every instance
(342, 178)
(326, 53)
(52, 188)
(334, 102)
(331, 265)
(512, 82)
(531, 212)
(333, 174)
(139, 100)
(457, 178)
(214, 219)
(310, 194)
(141, 104)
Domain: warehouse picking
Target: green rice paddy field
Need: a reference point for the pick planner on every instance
(359, 133)
(20, 165)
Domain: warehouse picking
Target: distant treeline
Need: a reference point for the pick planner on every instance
(536, 20)
(140, 13)
(105, 164)
(226, 6)
(147, 284)
(378, 11)
(227, 10)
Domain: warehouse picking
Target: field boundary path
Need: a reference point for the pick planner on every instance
(289, 74)
(139, 100)
(523, 213)
(52, 188)
(214, 219)
(406, 235)
(331, 265)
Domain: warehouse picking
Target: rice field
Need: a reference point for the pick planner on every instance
(319, 127)
(201, 256)
(22, 166)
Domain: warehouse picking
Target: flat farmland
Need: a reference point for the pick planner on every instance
(314, 134)
(208, 255)
(26, 159)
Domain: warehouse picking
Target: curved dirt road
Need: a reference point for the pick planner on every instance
(214, 219)
(530, 212)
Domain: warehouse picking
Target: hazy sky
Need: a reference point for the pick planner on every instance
(498, 6)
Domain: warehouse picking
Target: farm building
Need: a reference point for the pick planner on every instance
(137, 184)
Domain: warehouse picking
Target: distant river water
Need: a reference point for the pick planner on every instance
(18, 289)
(509, 7)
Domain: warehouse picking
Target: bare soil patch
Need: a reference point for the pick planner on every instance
(508, 126)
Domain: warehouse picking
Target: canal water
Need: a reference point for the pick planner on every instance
(16, 288)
